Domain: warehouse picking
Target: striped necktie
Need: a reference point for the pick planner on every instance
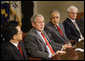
(60, 32)
(20, 49)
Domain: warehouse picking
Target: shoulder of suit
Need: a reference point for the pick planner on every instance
(31, 33)
(7, 44)
(47, 24)
(67, 20)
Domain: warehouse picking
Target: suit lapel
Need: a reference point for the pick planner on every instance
(23, 50)
(38, 36)
(62, 29)
(56, 31)
(16, 51)
(46, 36)
(72, 25)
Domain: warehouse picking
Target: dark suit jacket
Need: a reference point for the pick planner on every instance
(54, 34)
(10, 52)
(71, 31)
(80, 24)
(36, 46)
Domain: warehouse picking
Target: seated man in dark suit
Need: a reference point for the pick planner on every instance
(55, 29)
(38, 43)
(13, 48)
(71, 28)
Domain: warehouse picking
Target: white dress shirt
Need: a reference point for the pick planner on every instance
(15, 44)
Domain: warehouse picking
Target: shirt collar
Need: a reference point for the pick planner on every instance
(15, 44)
(57, 25)
(38, 32)
(72, 20)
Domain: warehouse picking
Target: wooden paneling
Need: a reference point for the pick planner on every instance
(80, 15)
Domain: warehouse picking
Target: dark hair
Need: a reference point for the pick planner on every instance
(10, 29)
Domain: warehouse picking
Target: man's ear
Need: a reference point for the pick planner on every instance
(50, 18)
(14, 37)
(33, 24)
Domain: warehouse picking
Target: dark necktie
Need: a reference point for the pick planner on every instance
(20, 49)
(47, 43)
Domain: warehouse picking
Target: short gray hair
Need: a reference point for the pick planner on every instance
(72, 7)
(55, 10)
(36, 15)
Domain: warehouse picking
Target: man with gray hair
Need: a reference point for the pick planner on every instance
(55, 29)
(37, 42)
(71, 28)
